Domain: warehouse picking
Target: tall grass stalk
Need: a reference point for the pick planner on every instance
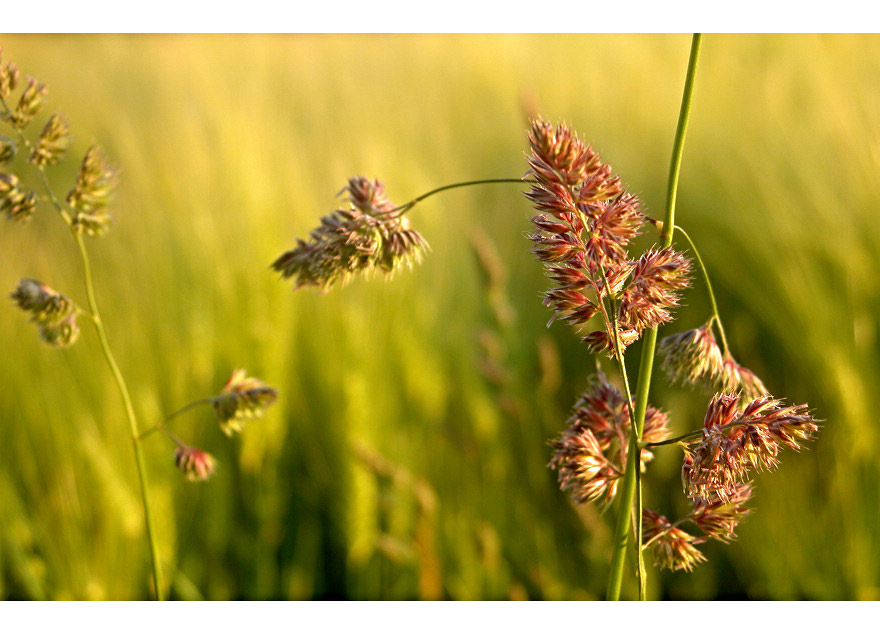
(149, 514)
(98, 322)
(632, 479)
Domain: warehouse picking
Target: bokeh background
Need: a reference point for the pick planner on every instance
(406, 455)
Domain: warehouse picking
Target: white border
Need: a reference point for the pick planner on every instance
(457, 16)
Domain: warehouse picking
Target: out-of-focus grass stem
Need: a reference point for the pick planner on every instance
(129, 411)
(111, 362)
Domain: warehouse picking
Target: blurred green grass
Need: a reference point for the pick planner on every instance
(406, 456)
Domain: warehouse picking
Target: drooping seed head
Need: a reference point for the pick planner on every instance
(53, 313)
(242, 398)
(737, 378)
(44, 302)
(692, 356)
(371, 235)
(718, 518)
(672, 547)
(195, 464)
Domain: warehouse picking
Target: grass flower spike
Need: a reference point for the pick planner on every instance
(585, 226)
(18, 205)
(29, 104)
(372, 234)
(590, 455)
(92, 192)
(692, 356)
(9, 76)
(717, 518)
(673, 548)
(53, 142)
(242, 398)
(54, 313)
(735, 442)
(736, 378)
(195, 464)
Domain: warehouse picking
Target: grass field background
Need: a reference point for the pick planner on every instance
(406, 455)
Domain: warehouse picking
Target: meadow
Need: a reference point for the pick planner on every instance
(406, 456)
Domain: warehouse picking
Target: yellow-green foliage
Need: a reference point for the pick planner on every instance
(231, 146)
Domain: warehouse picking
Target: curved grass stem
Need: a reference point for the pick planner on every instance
(632, 477)
(129, 411)
(716, 315)
(486, 181)
(161, 426)
(95, 316)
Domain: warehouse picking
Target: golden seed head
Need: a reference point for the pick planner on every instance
(7, 151)
(53, 142)
(241, 399)
(17, 204)
(92, 192)
(29, 103)
(8, 77)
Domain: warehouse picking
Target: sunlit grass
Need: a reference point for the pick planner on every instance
(231, 146)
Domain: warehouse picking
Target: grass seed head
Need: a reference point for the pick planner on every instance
(718, 517)
(195, 464)
(672, 547)
(692, 356)
(9, 76)
(242, 398)
(92, 192)
(53, 142)
(735, 443)
(53, 313)
(7, 151)
(737, 378)
(370, 235)
(29, 103)
(18, 205)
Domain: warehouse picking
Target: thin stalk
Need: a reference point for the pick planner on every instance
(716, 315)
(632, 477)
(129, 411)
(486, 181)
(693, 435)
(185, 408)
(634, 440)
(114, 368)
